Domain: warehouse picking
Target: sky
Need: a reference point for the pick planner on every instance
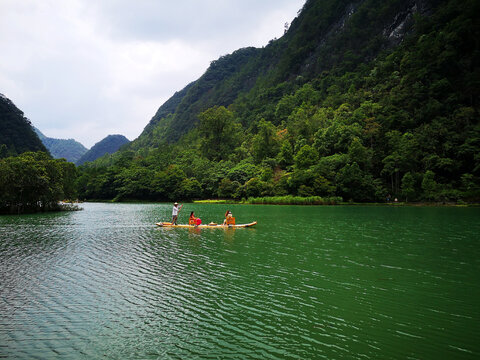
(85, 69)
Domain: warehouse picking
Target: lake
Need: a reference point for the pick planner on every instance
(333, 282)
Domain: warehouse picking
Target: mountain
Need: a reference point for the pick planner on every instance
(360, 99)
(109, 145)
(326, 33)
(16, 132)
(69, 149)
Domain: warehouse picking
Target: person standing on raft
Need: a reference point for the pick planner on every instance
(175, 212)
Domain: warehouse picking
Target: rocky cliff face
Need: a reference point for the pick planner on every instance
(402, 22)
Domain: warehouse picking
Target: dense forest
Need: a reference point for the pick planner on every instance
(30, 180)
(33, 181)
(68, 149)
(16, 131)
(364, 100)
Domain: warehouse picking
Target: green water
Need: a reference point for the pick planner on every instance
(305, 283)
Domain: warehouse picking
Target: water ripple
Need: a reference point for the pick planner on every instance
(104, 282)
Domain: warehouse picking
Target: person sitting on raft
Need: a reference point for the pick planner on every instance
(229, 219)
(192, 220)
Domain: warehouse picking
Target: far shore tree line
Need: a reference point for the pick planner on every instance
(343, 154)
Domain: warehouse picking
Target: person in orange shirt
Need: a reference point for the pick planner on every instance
(229, 219)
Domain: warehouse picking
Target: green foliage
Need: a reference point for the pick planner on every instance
(408, 186)
(228, 189)
(220, 135)
(285, 157)
(430, 186)
(306, 157)
(265, 142)
(16, 132)
(256, 187)
(354, 184)
(295, 200)
(339, 106)
(34, 182)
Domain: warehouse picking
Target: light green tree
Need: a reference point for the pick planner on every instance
(306, 157)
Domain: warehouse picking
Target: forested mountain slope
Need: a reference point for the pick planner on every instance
(326, 33)
(68, 149)
(16, 132)
(360, 99)
(108, 145)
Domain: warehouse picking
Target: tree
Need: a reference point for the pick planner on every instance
(429, 186)
(256, 187)
(133, 183)
(402, 157)
(228, 189)
(408, 186)
(303, 122)
(359, 153)
(354, 184)
(242, 172)
(306, 157)
(285, 157)
(34, 182)
(323, 187)
(368, 113)
(69, 176)
(265, 142)
(220, 134)
(284, 108)
(190, 188)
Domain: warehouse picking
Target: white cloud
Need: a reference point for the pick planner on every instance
(84, 69)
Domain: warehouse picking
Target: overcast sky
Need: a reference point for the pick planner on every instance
(85, 69)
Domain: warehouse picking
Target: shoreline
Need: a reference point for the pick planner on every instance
(61, 207)
(344, 203)
(341, 203)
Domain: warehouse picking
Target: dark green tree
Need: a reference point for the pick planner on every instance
(219, 132)
(265, 142)
(408, 186)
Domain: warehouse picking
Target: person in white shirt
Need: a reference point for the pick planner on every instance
(175, 211)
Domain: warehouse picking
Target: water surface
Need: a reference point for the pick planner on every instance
(305, 283)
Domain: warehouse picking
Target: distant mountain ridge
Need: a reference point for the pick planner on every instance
(69, 149)
(109, 145)
(16, 132)
(17, 135)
